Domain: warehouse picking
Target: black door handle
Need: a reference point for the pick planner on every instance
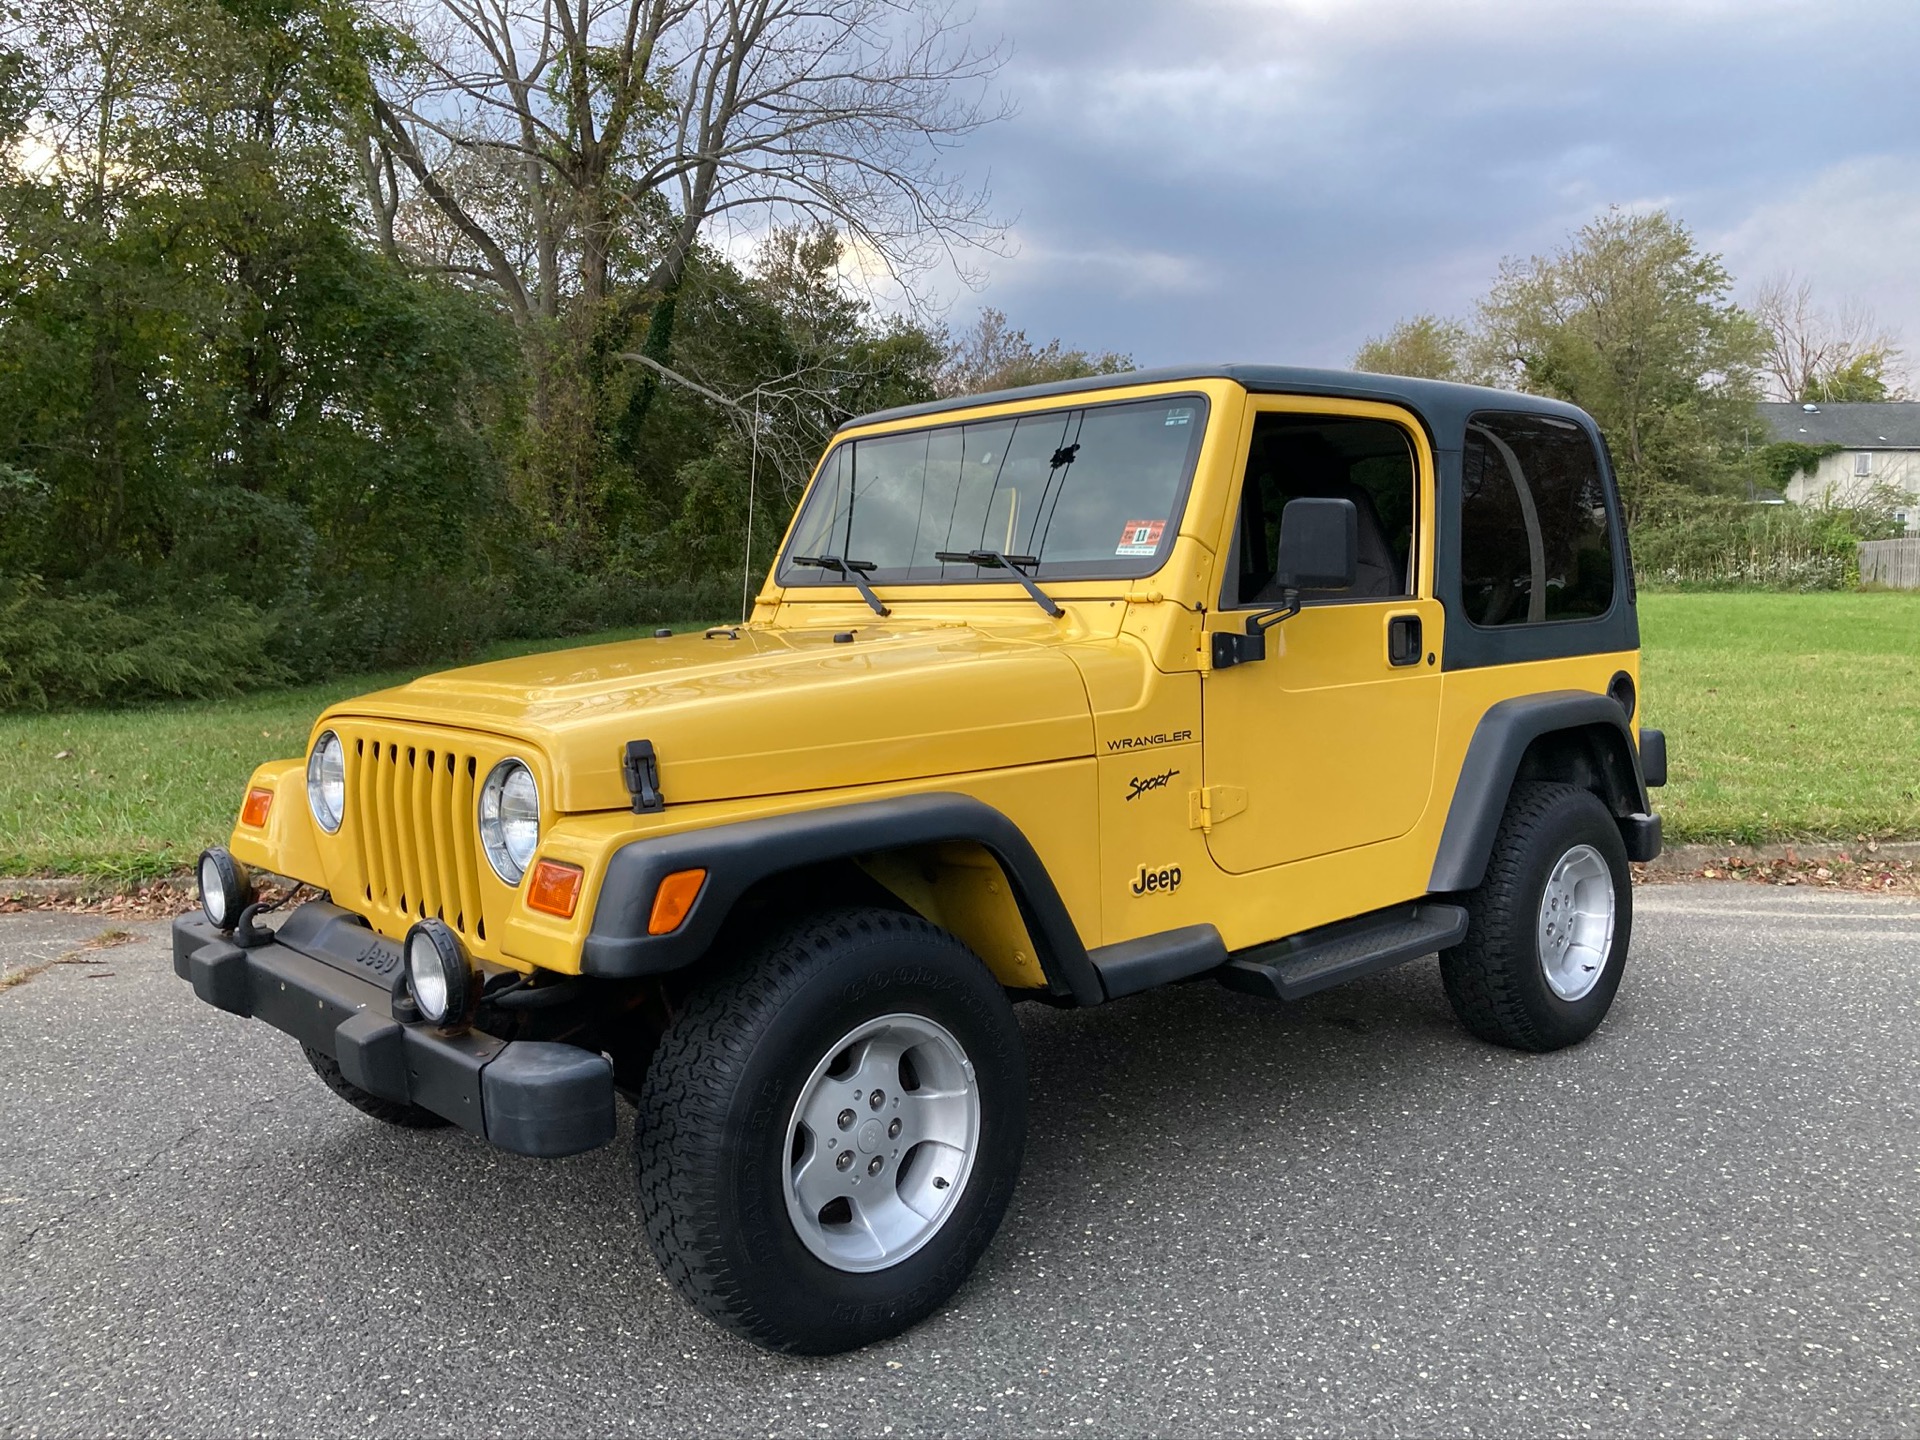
(1403, 640)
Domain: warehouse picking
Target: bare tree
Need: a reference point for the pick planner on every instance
(992, 355)
(561, 148)
(1816, 354)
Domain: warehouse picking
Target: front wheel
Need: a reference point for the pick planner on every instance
(830, 1132)
(1548, 928)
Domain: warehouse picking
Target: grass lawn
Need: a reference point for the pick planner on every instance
(140, 792)
(1788, 717)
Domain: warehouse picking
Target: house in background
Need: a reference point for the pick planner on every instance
(1879, 445)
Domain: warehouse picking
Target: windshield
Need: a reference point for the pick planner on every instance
(1088, 492)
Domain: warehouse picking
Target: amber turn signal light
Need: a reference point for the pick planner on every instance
(674, 899)
(555, 888)
(254, 812)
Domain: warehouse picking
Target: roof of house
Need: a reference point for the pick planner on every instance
(1887, 425)
(1430, 398)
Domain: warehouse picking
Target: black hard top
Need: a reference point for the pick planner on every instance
(1442, 404)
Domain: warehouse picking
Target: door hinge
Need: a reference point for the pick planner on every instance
(1210, 805)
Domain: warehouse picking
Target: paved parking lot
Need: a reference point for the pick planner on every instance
(1344, 1217)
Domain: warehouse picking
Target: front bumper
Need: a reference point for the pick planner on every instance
(330, 982)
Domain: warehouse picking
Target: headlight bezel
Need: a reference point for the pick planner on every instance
(497, 839)
(318, 805)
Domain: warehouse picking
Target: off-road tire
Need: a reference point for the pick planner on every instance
(407, 1117)
(711, 1133)
(1494, 977)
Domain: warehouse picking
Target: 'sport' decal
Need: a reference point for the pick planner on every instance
(1141, 784)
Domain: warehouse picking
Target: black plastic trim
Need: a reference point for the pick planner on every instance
(1319, 959)
(1641, 835)
(1493, 762)
(1653, 757)
(542, 1102)
(737, 857)
(1135, 965)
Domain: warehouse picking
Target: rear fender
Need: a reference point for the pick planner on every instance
(1565, 735)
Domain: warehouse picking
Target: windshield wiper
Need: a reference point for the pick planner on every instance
(998, 560)
(852, 570)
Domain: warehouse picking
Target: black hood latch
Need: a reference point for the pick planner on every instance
(642, 769)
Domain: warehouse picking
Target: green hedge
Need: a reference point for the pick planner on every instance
(1738, 546)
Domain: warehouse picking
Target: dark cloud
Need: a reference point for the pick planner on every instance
(1277, 181)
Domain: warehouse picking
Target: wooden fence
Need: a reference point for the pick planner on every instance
(1891, 562)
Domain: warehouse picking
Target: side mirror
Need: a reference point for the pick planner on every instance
(1319, 550)
(1319, 545)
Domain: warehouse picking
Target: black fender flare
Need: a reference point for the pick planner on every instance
(738, 856)
(1500, 742)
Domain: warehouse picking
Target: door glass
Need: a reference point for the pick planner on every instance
(1328, 457)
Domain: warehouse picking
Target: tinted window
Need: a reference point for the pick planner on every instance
(1329, 457)
(1092, 491)
(1534, 537)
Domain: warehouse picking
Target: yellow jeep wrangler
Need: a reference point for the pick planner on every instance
(1274, 676)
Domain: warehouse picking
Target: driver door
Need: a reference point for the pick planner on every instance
(1328, 743)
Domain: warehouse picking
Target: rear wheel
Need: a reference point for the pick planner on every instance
(1548, 927)
(407, 1117)
(829, 1134)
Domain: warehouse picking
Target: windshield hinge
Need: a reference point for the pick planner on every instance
(642, 770)
(1211, 804)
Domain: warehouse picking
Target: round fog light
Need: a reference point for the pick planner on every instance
(438, 976)
(225, 887)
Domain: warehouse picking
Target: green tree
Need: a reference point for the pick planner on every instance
(1426, 347)
(1635, 324)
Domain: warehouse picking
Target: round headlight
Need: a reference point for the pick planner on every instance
(509, 819)
(225, 887)
(327, 781)
(438, 976)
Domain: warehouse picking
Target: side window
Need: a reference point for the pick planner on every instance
(1329, 457)
(1535, 543)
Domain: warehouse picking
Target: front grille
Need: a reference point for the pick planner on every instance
(417, 847)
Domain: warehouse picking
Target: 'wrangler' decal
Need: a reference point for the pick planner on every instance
(1143, 742)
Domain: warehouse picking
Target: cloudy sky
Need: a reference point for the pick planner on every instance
(1195, 180)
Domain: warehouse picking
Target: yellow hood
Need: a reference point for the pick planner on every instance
(771, 712)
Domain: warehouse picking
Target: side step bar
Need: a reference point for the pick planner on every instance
(1320, 959)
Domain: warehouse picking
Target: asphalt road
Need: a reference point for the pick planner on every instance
(1342, 1218)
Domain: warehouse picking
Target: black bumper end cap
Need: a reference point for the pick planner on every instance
(546, 1099)
(1641, 835)
(218, 972)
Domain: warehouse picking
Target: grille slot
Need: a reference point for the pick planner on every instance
(413, 808)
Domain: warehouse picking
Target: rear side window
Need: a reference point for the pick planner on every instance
(1535, 541)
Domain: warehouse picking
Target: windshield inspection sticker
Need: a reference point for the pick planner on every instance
(1182, 415)
(1140, 537)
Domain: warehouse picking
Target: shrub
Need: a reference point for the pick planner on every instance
(81, 650)
(1717, 543)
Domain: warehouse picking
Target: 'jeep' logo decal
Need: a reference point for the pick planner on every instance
(1141, 784)
(1149, 881)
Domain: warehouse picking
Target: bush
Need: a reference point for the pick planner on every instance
(83, 650)
(1711, 543)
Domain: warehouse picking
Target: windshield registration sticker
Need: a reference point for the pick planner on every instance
(1140, 537)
